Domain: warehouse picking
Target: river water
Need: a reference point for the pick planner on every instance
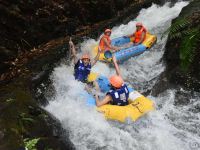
(169, 127)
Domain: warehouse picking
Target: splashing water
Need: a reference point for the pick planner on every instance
(156, 131)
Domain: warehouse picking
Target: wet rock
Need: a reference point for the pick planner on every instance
(196, 109)
(27, 24)
(1, 135)
(34, 111)
(6, 53)
(21, 117)
(182, 97)
(174, 73)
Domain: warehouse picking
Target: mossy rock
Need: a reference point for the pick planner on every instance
(21, 117)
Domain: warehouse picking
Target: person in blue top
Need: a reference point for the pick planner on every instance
(83, 65)
(119, 93)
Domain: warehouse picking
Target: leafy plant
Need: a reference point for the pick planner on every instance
(30, 144)
(188, 47)
(23, 120)
(26, 119)
(9, 100)
(175, 30)
(190, 36)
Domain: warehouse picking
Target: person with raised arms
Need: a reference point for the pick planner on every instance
(83, 65)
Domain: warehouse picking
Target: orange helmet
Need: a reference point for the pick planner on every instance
(138, 24)
(107, 30)
(85, 56)
(116, 81)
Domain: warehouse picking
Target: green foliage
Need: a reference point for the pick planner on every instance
(9, 100)
(23, 120)
(30, 144)
(188, 47)
(182, 29)
(175, 30)
(26, 119)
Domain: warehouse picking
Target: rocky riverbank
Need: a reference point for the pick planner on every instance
(176, 74)
(25, 26)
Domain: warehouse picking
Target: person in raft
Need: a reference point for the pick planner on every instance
(139, 35)
(105, 42)
(118, 94)
(83, 65)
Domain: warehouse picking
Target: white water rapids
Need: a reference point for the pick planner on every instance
(169, 127)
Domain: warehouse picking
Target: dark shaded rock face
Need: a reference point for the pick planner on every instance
(20, 118)
(176, 76)
(26, 24)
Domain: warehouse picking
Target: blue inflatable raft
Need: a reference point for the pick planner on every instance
(129, 52)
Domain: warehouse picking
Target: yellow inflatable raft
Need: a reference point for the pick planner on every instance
(138, 104)
(136, 109)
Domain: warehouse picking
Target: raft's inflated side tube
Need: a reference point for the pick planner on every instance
(138, 104)
(126, 53)
(120, 41)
